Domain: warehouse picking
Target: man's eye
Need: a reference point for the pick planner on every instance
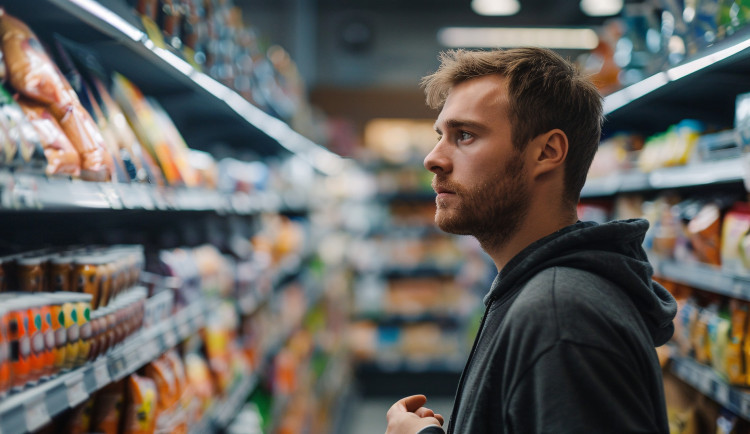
(465, 136)
(439, 138)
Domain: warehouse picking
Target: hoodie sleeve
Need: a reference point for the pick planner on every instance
(576, 388)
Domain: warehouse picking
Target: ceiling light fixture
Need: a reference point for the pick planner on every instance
(495, 7)
(509, 37)
(601, 8)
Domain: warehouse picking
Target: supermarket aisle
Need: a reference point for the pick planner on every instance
(366, 415)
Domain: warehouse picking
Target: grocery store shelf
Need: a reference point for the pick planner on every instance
(193, 99)
(222, 412)
(420, 270)
(29, 193)
(694, 175)
(703, 276)
(407, 196)
(702, 87)
(451, 366)
(388, 319)
(712, 385)
(32, 408)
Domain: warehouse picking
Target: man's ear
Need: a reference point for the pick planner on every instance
(551, 150)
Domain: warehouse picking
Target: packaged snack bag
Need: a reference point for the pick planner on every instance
(718, 335)
(161, 372)
(62, 158)
(32, 73)
(704, 232)
(108, 408)
(24, 149)
(736, 367)
(735, 226)
(80, 420)
(140, 406)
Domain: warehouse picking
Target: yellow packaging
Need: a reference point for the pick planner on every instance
(701, 343)
(735, 357)
(74, 334)
(83, 310)
(140, 414)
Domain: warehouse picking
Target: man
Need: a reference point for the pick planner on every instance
(567, 341)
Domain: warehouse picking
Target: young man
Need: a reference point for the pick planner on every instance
(567, 341)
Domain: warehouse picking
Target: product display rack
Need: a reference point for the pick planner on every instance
(193, 99)
(206, 113)
(693, 175)
(704, 88)
(32, 408)
(705, 380)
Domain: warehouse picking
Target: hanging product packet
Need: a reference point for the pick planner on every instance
(33, 74)
(23, 148)
(61, 155)
(83, 91)
(140, 405)
(146, 125)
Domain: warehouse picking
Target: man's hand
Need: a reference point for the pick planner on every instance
(407, 416)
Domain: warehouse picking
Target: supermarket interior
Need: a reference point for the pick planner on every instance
(215, 215)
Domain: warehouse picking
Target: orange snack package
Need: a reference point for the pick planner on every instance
(108, 409)
(735, 359)
(140, 406)
(62, 158)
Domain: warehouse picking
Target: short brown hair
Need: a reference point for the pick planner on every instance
(544, 91)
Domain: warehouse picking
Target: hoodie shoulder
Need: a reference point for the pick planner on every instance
(577, 306)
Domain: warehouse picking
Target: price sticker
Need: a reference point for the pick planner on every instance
(704, 384)
(110, 194)
(722, 393)
(76, 392)
(101, 374)
(170, 339)
(183, 329)
(36, 414)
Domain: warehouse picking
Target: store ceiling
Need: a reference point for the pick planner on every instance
(401, 43)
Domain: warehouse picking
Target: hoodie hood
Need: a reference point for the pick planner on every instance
(611, 250)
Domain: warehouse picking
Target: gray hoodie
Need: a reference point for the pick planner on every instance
(567, 341)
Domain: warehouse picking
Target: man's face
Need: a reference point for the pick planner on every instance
(480, 180)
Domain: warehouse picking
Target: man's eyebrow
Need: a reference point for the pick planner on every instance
(457, 124)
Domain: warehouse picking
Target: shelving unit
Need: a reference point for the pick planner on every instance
(704, 88)
(212, 118)
(193, 99)
(693, 175)
(34, 407)
(710, 384)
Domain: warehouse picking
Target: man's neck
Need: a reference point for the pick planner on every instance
(531, 230)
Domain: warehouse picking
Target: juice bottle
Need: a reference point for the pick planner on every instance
(4, 353)
(20, 348)
(48, 336)
(86, 277)
(59, 329)
(61, 273)
(30, 275)
(83, 308)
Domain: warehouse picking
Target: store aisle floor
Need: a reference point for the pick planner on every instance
(366, 415)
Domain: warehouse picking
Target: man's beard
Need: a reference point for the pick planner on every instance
(491, 211)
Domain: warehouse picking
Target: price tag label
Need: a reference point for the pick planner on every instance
(184, 329)
(110, 194)
(704, 384)
(101, 374)
(36, 414)
(76, 392)
(170, 339)
(722, 393)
